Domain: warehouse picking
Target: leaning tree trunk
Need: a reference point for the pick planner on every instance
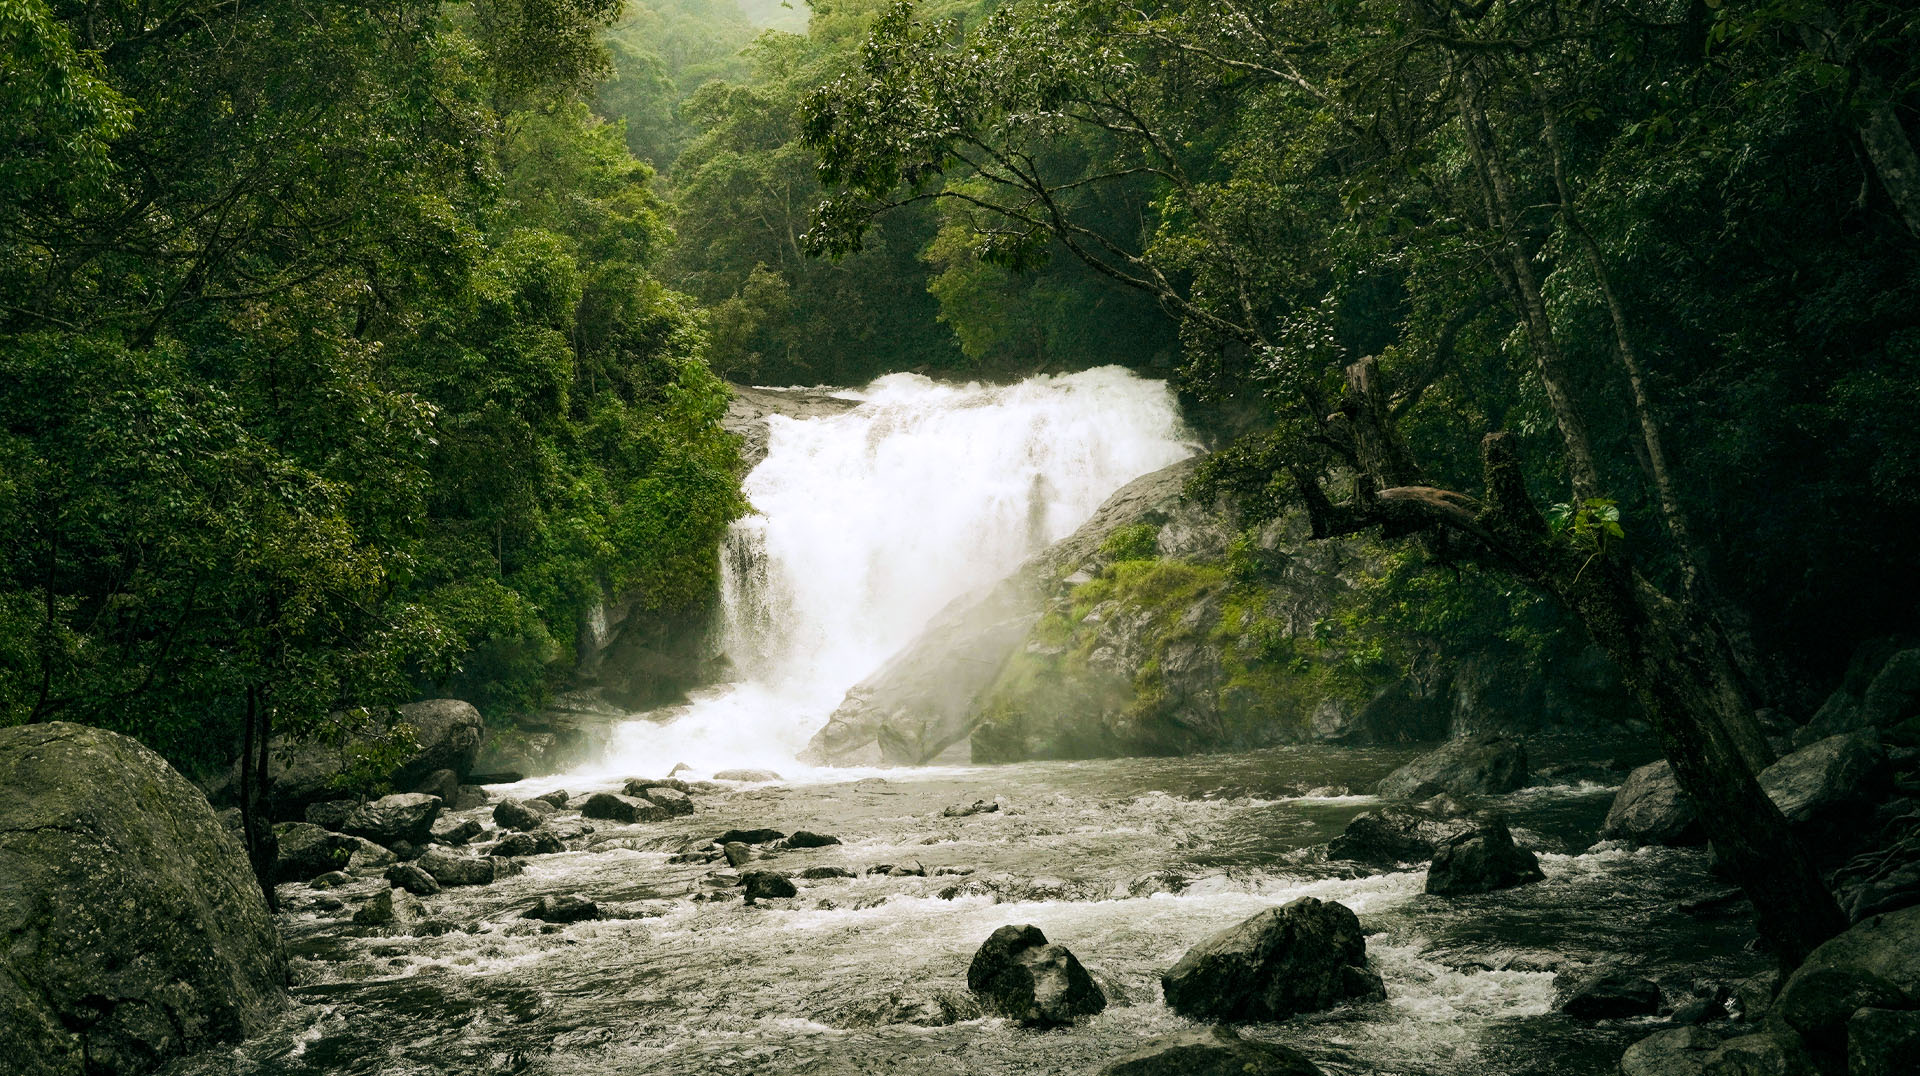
(1683, 678)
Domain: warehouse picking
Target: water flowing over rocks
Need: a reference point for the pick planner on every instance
(1215, 1051)
(1397, 834)
(763, 884)
(1481, 861)
(1479, 765)
(131, 927)
(1018, 974)
(1305, 956)
(566, 908)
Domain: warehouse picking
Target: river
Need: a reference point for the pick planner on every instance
(870, 521)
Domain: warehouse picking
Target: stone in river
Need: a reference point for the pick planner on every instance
(1019, 975)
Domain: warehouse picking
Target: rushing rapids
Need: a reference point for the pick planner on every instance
(869, 521)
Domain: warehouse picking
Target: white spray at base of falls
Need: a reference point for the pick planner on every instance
(869, 522)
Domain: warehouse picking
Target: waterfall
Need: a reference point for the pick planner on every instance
(868, 522)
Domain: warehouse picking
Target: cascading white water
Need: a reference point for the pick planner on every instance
(868, 522)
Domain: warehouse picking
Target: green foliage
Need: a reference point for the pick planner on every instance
(333, 368)
(1135, 541)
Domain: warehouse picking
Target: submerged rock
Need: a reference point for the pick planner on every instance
(1608, 993)
(1301, 957)
(389, 907)
(745, 775)
(565, 908)
(966, 810)
(412, 879)
(1215, 1051)
(390, 820)
(539, 842)
(736, 853)
(520, 814)
(761, 884)
(617, 808)
(450, 869)
(1651, 809)
(131, 928)
(806, 839)
(749, 836)
(827, 872)
(1484, 765)
(1018, 974)
(1396, 834)
(1481, 861)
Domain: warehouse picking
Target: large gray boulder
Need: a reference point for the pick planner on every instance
(406, 816)
(131, 928)
(305, 851)
(1019, 975)
(1651, 809)
(1881, 689)
(1215, 1051)
(1302, 957)
(1876, 964)
(1681, 1051)
(1486, 765)
(1833, 782)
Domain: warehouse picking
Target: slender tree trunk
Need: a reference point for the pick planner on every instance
(253, 773)
(1548, 359)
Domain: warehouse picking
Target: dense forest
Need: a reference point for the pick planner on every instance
(358, 355)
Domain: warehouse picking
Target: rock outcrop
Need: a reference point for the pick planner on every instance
(131, 927)
(1018, 974)
(1397, 834)
(1302, 957)
(1484, 765)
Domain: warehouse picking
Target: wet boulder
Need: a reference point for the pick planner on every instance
(1018, 974)
(1483, 765)
(1608, 993)
(967, 810)
(1876, 964)
(1481, 861)
(132, 929)
(1771, 1052)
(406, 817)
(1396, 834)
(557, 799)
(442, 783)
(1215, 1051)
(520, 814)
(761, 884)
(1651, 809)
(749, 836)
(450, 869)
(616, 808)
(331, 814)
(1302, 957)
(746, 775)
(736, 853)
(1882, 1042)
(455, 831)
(412, 879)
(389, 907)
(674, 802)
(539, 842)
(808, 839)
(1830, 785)
(564, 908)
(1681, 1051)
(815, 873)
(306, 852)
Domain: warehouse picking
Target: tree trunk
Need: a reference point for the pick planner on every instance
(253, 772)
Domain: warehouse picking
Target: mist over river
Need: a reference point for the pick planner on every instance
(868, 523)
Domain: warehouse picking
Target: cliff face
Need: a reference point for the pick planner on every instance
(1164, 626)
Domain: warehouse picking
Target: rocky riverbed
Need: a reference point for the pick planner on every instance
(633, 949)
